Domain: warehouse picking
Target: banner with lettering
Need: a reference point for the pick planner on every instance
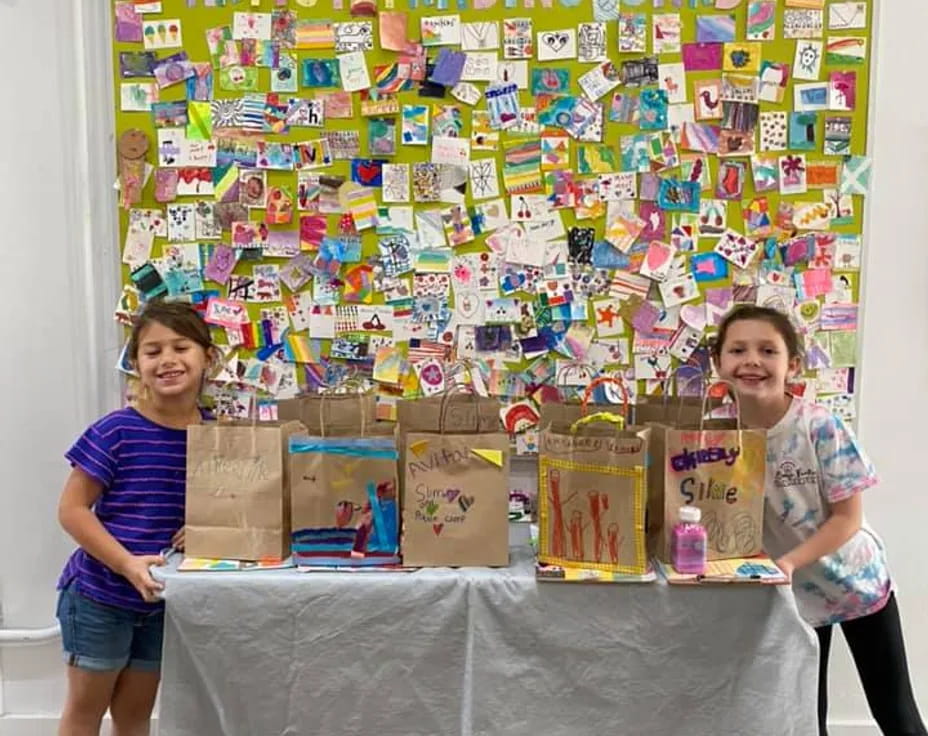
(720, 470)
(591, 498)
(456, 499)
(238, 490)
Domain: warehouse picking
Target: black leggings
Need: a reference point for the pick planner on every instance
(879, 652)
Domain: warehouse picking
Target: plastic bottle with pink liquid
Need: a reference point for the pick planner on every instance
(688, 543)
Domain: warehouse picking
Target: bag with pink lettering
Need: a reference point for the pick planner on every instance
(660, 413)
(720, 468)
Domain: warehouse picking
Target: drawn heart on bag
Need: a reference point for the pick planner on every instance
(431, 508)
(437, 528)
(465, 502)
(451, 494)
(555, 40)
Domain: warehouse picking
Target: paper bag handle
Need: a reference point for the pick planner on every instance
(665, 384)
(665, 391)
(331, 392)
(458, 389)
(602, 380)
(253, 415)
(601, 416)
(732, 391)
(465, 365)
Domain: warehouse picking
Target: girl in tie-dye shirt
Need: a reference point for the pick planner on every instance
(813, 516)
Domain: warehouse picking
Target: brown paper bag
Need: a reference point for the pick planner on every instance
(330, 415)
(671, 411)
(721, 469)
(456, 500)
(453, 413)
(238, 501)
(344, 499)
(568, 412)
(592, 497)
(462, 413)
(662, 413)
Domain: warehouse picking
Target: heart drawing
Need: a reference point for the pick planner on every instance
(658, 255)
(556, 40)
(437, 528)
(465, 502)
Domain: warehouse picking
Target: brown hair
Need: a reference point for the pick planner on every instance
(178, 316)
(776, 319)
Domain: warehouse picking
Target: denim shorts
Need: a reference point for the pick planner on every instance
(104, 638)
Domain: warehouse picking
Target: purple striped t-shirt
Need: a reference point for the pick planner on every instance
(142, 467)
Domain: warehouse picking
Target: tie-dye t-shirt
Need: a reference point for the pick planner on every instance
(813, 461)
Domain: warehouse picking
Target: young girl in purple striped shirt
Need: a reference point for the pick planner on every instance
(123, 503)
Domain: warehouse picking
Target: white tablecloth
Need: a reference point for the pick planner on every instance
(480, 652)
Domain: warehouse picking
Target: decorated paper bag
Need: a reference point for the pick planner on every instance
(661, 414)
(330, 415)
(456, 500)
(344, 499)
(568, 412)
(452, 413)
(673, 411)
(238, 492)
(462, 413)
(592, 496)
(720, 468)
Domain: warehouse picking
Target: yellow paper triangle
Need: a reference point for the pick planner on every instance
(491, 456)
(419, 447)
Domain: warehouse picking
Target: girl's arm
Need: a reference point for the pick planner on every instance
(76, 516)
(844, 522)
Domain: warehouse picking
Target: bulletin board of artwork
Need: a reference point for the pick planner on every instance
(546, 190)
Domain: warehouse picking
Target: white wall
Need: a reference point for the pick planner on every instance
(57, 213)
(58, 261)
(893, 398)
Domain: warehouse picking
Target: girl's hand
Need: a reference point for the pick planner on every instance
(135, 570)
(786, 567)
(177, 541)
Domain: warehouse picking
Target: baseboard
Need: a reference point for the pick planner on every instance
(46, 726)
(853, 728)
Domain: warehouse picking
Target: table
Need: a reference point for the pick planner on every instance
(480, 652)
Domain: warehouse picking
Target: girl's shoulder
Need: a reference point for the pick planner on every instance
(117, 423)
(817, 416)
(114, 421)
(824, 429)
